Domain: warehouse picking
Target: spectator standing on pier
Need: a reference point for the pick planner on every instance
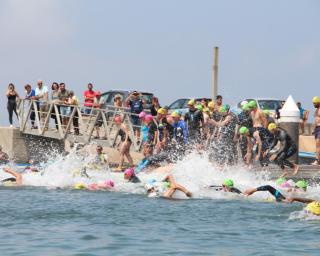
(30, 94)
(118, 101)
(155, 106)
(63, 97)
(55, 99)
(316, 103)
(304, 114)
(42, 97)
(12, 96)
(135, 102)
(74, 102)
(89, 96)
(98, 102)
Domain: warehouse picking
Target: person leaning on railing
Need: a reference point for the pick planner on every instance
(30, 94)
(74, 102)
(42, 98)
(63, 97)
(55, 99)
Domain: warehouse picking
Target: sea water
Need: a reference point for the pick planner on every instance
(48, 217)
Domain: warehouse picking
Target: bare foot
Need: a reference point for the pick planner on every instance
(295, 169)
(189, 194)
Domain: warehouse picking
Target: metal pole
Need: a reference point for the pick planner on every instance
(215, 72)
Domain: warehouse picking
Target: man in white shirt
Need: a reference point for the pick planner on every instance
(42, 98)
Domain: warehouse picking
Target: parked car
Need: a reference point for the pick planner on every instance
(182, 104)
(264, 103)
(108, 98)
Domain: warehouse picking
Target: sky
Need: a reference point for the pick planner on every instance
(267, 48)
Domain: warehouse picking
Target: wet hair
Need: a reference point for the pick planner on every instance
(219, 97)
(11, 85)
(54, 84)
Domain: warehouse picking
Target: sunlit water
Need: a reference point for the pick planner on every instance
(48, 217)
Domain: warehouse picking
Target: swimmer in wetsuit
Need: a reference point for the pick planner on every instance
(287, 149)
(276, 193)
(166, 188)
(16, 180)
(227, 186)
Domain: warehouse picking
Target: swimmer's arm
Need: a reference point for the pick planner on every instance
(300, 200)
(226, 121)
(15, 174)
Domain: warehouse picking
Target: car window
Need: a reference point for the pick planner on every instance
(185, 104)
(177, 104)
(105, 97)
(269, 104)
(147, 98)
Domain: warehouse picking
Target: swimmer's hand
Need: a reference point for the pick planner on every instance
(289, 200)
(250, 191)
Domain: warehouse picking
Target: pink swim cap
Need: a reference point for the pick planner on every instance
(129, 172)
(117, 119)
(93, 186)
(142, 114)
(148, 117)
(108, 184)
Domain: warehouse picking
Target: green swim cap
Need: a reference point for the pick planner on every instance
(243, 130)
(224, 108)
(245, 107)
(199, 107)
(280, 181)
(166, 184)
(252, 104)
(228, 183)
(302, 184)
(266, 112)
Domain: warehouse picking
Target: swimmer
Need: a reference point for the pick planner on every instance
(166, 188)
(287, 149)
(130, 176)
(258, 117)
(16, 180)
(276, 193)
(106, 185)
(101, 158)
(227, 186)
(312, 207)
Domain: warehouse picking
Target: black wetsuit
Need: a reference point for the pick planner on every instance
(134, 179)
(266, 140)
(244, 119)
(152, 128)
(276, 193)
(232, 190)
(122, 135)
(194, 118)
(287, 148)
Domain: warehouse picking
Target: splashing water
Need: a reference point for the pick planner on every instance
(195, 172)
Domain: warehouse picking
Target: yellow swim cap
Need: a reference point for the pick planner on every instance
(174, 114)
(161, 111)
(211, 104)
(79, 186)
(206, 110)
(314, 208)
(272, 126)
(191, 102)
(316, 99)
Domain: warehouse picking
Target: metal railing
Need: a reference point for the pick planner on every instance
(53, 120)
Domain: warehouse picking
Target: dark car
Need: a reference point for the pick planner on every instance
(108, 98)
(182, 104)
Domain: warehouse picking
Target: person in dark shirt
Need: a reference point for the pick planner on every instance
(135, 102)
(152, 136)
(244, 119)
(155, 106)
(194, 120)
(287, 149)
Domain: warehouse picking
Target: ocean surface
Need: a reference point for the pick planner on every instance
(41, 221)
